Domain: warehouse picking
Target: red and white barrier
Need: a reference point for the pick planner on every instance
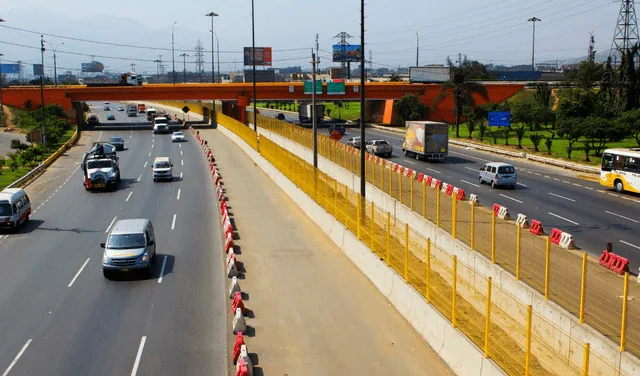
(239, 325)
(235, 287)
(522, 221)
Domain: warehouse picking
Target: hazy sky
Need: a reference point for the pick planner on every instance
(485, 30)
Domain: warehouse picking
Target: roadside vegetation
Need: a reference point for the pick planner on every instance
(344, 110)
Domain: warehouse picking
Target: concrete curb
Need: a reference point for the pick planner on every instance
(493, 149)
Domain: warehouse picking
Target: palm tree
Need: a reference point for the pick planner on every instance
(463, 90)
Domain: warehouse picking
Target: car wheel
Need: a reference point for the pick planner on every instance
(619, 186)
(155, 180)
(493, 183)
(480, 180)
(147, 272)
(106, 273)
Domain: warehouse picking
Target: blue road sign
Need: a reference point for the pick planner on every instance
(500, 119)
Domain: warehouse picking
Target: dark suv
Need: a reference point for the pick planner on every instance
(337, 127)
(93, 120)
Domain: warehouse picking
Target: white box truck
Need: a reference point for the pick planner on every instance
(426, 140)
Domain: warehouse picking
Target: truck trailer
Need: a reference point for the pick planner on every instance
(426, 140)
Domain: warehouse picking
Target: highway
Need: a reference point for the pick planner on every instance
(557, 198)
(60, 316)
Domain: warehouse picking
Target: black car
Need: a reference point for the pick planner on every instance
(337, 127)
(280, 116)
(117, 142)
(93, 120)
(111, 117)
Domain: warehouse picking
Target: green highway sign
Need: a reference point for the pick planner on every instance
(308, 89)
(335, 88)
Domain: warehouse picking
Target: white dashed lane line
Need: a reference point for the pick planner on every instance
(129, 196)
(136, 364)
(145, 164)
(562, 197)
(173, 223)
(182, 162)
(139, 177)
(511, 198)
(436, 171)
(475, 185)
(564, 219)
(622, 216)
(629, 244)
(15, 360)
(179, 190)
(164, 264)
(78, 273)
(110, 224)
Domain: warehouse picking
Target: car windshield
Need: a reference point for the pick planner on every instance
(178, 134)
(506, 170)
(162, 165)
(5, 209)
(126, 241)
(383, 142)
(99, 164)
(115, 140)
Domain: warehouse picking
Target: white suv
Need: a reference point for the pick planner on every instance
(162, 169)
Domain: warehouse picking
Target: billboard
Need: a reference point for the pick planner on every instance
(92, 67)
(263, 56)
(499, 119)
(37, 69)
(429, 74)
(346, 53)
(261, 75)
(10, 68)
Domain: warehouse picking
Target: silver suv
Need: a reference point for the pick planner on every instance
(162, 169)
(130, 245)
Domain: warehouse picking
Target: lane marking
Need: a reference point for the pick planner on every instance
(475, 185)
(412, 162)
(472, 169)
(139, 177)
(180, 152)
(136, 364)
(178, 198)
(577, 185)
(181, 175)
(145, 164)
(128, 197)
(629, 244)
(537, 174)
(180, 145)
(622, 216)
(152, 145)
(182, 162)
(566, 198)
(15, 360)
(78, 273)
(564, 219)
(436, 171)
(564, 181)
(589, 188)
(173, 223)
(511, 198)
(110, 224)
(524, 185)
(164, 264)
(556, 179)
(469, 156)
(149, 153)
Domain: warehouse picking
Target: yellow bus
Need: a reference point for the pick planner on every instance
(621, 169)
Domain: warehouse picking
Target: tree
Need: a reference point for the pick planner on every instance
(14, 162)
(27, 157)
(520, 131)
(598, 131)
(631, 121)
(608, 83)
(410, 107)
(535, 140)
(3, 161)
(571, 129)
(588, 74)
(548, 142)
(494, 135)
(462, 90)
(543, 94)
(587, 149)
(482, 129)
(577, 103)
(505, 134)
(628, 82)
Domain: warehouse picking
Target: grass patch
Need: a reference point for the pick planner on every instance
(348, 111)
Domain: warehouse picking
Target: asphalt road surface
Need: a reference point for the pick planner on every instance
(59, 316)
(557, 198)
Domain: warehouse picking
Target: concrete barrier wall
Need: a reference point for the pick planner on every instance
(563, 332)
(462, 355)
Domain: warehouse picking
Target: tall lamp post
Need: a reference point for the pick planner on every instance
(173, 51)
(363, 178)
(253, 58)
(55, 64)
(218, 56)
(184, 67)
(1, 84)
(417, 49)
(533, 46)
(44, 135)
(213, 69)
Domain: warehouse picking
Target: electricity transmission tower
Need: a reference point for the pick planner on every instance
(626, 33)
(343, 42)
(199, 59)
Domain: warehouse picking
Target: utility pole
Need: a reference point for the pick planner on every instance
(626, 33)
(213, 70)
(533, 45)
(417, 49)
(313, 110)
(363, 178)
(173, 51)
(184, 67)
(591, 53)
(44, 136)
(133, 67)
(218, 55)
(1, 85)
(157, 70)
(370, 61)
(253, 58)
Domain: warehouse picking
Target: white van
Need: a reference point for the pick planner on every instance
(498, 174)
(162, 169)
(15, 208)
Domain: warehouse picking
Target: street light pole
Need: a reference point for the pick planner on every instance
(1, 85)
(533, 46)
(213, 71)
(417, 49)
(173, 52)
(55, 64)
(313, 110)
(44, 135)
(218, 55)
(253, 58)
(184, 67)
(363, 181)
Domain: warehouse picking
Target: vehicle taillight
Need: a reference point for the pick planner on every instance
(496, 176)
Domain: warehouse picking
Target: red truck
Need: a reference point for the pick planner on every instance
(142, 108)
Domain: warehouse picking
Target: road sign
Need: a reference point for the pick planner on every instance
(499, 119)
(185, 109)
(308, 89)
(335, 88)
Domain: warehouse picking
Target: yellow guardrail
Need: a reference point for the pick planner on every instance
(492, 318)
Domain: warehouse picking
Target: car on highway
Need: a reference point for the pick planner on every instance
(379, 147)
(337, 127)
(130, 245)
(15, 208)
(111, 117)
(162, 169)
(118, 142)
(177, 137)
(107, 108)
(107, 103)
(120, 109)
(354, 141)
(280, 116)
(498, 174)
(93, 120)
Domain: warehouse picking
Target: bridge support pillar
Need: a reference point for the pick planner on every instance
(79, 118)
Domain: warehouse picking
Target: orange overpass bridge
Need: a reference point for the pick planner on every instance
(379, 95)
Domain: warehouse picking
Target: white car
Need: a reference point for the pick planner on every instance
(177, 137)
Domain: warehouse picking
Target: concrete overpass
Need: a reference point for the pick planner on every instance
(380, 96)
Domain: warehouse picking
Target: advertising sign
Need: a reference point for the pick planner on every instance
(263, 56)
(346, 53)
(309, 90)
(37, 70)
(336, 88)
(10, 68)
(500, 119)
(92, 67)
(414, 137)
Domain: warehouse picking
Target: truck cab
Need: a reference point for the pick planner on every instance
(161, 125)
(101, 167)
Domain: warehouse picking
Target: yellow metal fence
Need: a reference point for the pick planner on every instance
(494, 320)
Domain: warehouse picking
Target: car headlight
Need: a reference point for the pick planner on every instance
(145, 257)
(105, 259)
